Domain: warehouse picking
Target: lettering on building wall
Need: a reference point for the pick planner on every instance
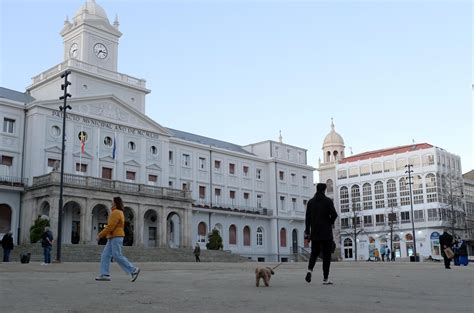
(107, 125)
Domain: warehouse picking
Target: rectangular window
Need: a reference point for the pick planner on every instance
(152, 178)
(185, 186)
(170, 157)
(106, 173)
(81, 168)
(170, 184)
(217, 193)
(282, 202)
(232, 194)
(345, 222)
(202, 163)
(258, 173)
(231, 168)
(368, 220)
(388, 166)
(293, 203)
(353, 172)
(130, 175)
(281, 174)
(259, 201)
(405, 217)
(8, 125)
(418, 216)
(364, 170)
(217, 165)
(7, 160)
(245, 170)
(379, 219)
(246, 198)
(305, 202)
(342, 174)
(293, 178)
(202, 192)
(376, 168)
(186, 160)
(305, 180)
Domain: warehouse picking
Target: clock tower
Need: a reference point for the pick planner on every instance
(90, 37)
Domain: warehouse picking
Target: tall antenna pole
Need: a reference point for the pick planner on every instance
(409, 171)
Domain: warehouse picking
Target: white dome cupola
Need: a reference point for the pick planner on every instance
(333, 146)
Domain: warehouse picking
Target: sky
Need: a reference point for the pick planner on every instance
(389, 73)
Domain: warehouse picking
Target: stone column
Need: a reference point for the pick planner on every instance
(138, 239)
(86, 223)
(163, 214)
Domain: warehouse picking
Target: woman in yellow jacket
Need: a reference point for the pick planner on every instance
(114, 233)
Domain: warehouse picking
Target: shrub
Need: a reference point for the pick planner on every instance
(37, 229)
(214, 240)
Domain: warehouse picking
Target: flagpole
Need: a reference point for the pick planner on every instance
(98, 151)
(81, 139)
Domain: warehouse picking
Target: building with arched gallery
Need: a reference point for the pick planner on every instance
(371, 192)
(176, 186)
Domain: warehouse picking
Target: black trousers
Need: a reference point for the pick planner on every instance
(317, 247)
(197, 258)
(447, 261)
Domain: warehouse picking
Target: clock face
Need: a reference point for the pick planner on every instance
(73, 50)
(100, 50)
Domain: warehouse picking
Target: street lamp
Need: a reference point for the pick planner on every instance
(409, 171)
(60, 209)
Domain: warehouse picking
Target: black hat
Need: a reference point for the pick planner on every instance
(321, 187)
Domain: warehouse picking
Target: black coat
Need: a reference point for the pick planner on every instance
(320, 217)
(446, 240)
(7, 242)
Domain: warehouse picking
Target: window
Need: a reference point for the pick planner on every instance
(330, 185)
(305, 180)
(232, 235)
(344, 199)
(259, 201)
(355, 197)
(353, 172)
(186, 160)
(53, 164)
(132, 146)
(388, 166)
(433, 215)
(401, 164)
(417, 189)
(7, 160)
(305, 202)
(379, 219)
(281, 175)
(392, 193)
(130, 175)
(260, 236)
(418, 216)
(202, 163)
(185, 186)
(106, 173)
(107, 141)
(246, 198)
(153, 150)
(202, 230)
(8, 125)
(245, 170)
(282, 203)
(431, 195)
(345, 222)
(288, 154)
(404, 192)
(232, 195)
(379, 195)
(231, 168)
(152, 178)
(415, 161)
(246, 236)
(367, 196)
(55, 131)
(170, 184)
(170, 157)
(202, 192)
(364, 170)
(283, 237)
(217, 193)
(376, 168)
(217, 165)
(293, 203)
(405, 217)
(341, 174)
(81, 168)
(293, 178)
(258, 173)
(368, 220)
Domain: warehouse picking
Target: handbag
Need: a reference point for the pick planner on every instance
(449, 253)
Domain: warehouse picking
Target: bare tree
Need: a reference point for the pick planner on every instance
(356, 227)
(451, 196)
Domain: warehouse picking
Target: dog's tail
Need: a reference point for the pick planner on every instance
(273, 273)
(256, 271)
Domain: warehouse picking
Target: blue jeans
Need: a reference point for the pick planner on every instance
(47, 254)
(6, 255)
(113, 248)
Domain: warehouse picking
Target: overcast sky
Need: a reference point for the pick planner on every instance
(240, 71)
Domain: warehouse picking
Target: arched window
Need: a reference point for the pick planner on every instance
(336, 156)
(348, 248)
(379, 195)
(344, 199)
(367, 196)
(232, 235)
(328, 156)
(202, 230)
(330, 185)
(283, 237)
(404, 192)
(260, 236)
(355, 197)
(392, 193)
(246, 236)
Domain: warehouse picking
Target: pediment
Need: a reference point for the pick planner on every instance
(84, 155)
(132, 163)
(107, 158)
(53, 149)
(153, 166)
(111, 112)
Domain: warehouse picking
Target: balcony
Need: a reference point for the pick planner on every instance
(231, 207)
(100, 184)
(12, 181)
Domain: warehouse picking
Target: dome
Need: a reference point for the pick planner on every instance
(333, 138)
(92, 11)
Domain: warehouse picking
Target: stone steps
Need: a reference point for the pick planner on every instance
(91, 253)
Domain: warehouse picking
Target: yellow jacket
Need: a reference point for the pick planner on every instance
(115, 224)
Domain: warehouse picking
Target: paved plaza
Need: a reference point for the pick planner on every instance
(230, 287)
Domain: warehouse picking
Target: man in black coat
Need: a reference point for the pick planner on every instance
(446, 241)
(320, 217)
(7, 245)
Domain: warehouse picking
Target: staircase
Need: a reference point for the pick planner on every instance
(91, 253)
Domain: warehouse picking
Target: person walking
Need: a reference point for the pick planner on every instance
(114, 232)
(320, 218)
(388, 254)
(382, 252)
(197, 252)
(446, 241)
(7, 245)
(47, 244)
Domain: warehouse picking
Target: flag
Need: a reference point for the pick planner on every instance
(114, 147)
(82, 138)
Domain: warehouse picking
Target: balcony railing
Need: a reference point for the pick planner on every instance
(95, 183)
(232, 207)
(12, 181)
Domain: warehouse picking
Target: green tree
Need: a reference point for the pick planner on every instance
(37, 229)
(214, 240)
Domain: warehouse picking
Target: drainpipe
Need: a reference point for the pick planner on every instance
(210, 185)
(21, 177)
(276, 206)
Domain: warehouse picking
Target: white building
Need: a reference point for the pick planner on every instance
(176, 186)
(370, 185)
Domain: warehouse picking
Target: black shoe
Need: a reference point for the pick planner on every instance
(308, 277)
(135, 274)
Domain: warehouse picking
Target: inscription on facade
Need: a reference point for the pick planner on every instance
(107, 125)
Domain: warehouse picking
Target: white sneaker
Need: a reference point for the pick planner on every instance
(327, 282)
(43, 263)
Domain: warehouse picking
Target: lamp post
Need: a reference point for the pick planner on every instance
(60, 209)
(409, 171)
